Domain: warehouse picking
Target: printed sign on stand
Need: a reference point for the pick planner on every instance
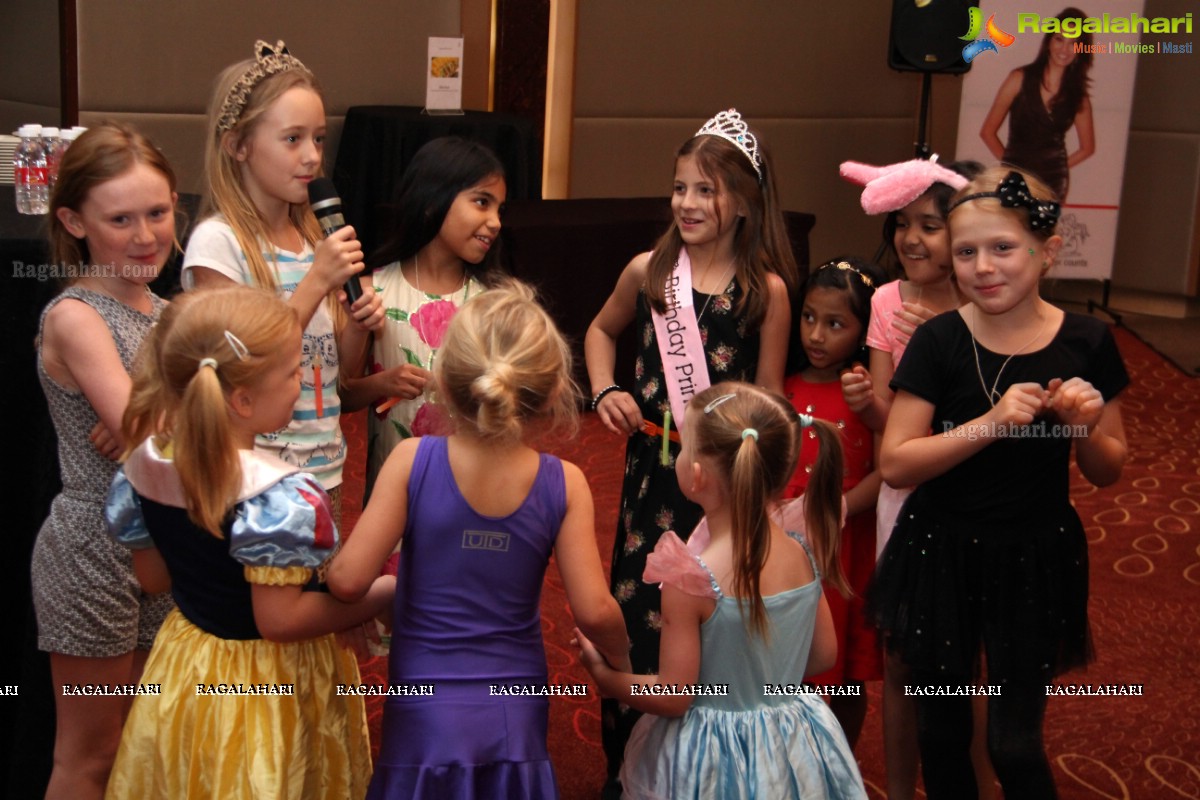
(1051, 92)
(443, 80)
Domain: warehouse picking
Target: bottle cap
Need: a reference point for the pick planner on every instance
(50, 131)
(29, 130)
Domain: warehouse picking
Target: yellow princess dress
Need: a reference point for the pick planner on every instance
(238, 716)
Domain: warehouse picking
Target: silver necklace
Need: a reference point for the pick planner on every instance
(720, 290)
(992, 394)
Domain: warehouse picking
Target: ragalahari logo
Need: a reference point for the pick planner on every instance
(981, 44)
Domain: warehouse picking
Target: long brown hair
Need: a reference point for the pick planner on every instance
(760, 242)
(1075, 80)
(757, 468)
(178, 395)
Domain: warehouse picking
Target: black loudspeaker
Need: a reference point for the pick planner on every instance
(925, 35)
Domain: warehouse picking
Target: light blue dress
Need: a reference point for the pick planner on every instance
(747, 744)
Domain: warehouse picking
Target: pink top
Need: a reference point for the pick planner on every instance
(881, 334)
(680, 564)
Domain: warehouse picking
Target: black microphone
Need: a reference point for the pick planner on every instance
(323, 197)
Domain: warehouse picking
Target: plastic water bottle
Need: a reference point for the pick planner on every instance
(29, 172)
(69, 135)
(54, 146)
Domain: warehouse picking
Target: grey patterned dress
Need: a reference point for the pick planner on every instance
(87, 599)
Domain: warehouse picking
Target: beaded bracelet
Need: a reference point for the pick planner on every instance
(600, 395)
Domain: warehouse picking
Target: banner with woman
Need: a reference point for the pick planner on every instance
(1050, 90)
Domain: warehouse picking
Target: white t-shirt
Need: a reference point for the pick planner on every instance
(312, 441)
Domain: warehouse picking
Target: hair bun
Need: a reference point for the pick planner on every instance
(496, 392)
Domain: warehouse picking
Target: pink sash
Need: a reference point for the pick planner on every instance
(684, 360)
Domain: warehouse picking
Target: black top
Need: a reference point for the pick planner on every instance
(1015, 476)
(208, 584)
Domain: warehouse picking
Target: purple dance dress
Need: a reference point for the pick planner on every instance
(467, 619)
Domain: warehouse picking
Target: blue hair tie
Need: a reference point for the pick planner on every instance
(806, 420)
(749, 432)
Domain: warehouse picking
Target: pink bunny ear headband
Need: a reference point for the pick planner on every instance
(893, 187)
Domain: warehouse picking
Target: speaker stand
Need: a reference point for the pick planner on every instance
(1103, 305)
(923, 149)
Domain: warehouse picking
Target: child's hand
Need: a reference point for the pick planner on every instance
(910, 317)
(624, 665)
(337, 259)
(105, 443)
(356, 639)
(384, 618)
(367, 311)
(857, 388)
(1020, 404)
(1075, 401)
(620, 413)
(381, 594)
(406, 381)
(589, 656)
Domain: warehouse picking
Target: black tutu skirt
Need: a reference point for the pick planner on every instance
(949, 588)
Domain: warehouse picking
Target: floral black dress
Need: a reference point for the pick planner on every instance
(651, 502)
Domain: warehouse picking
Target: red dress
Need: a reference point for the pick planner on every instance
(858, 657)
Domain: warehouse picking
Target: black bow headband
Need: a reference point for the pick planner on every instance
(1013, 192)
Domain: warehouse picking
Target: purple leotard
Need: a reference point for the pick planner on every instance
(467, 617)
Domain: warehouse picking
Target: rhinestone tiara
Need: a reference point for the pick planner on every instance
(730, 127)
(268, 60)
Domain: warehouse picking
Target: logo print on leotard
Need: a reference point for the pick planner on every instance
(485, 540)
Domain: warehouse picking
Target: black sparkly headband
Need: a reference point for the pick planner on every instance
(1013, 192)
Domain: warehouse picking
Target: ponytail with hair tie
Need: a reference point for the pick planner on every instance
(823, 508)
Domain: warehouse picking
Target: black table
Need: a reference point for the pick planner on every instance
(379, 141)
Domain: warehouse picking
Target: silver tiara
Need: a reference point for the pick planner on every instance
(730, 127)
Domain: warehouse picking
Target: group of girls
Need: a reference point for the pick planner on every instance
(227, 504)
(976, 583)
(228, 498)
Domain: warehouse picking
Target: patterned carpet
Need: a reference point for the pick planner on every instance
(1144, 536)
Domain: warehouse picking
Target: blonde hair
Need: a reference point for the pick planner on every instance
(988, 182)
(100, 154)
(224, 192)
(503, 364)
(757, 468)
(177, 396)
